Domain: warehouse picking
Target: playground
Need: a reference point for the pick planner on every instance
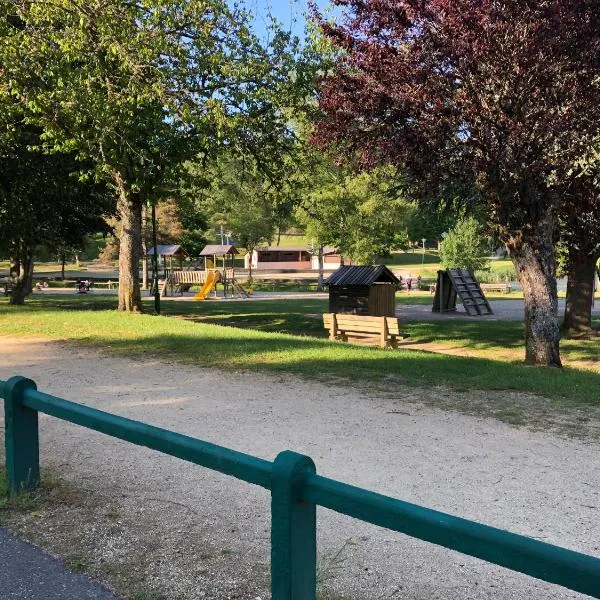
(156, 528)
(286, 335)
(158, 525)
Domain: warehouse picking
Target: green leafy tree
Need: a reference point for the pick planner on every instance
(465, 246)
(43, 203)
(138, 87)
(363, 214)
(244, 201)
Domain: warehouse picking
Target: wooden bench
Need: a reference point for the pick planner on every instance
(496, 287)
(384, 329)
(108, 284)
(8, 286)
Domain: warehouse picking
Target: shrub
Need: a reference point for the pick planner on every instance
(464, 247)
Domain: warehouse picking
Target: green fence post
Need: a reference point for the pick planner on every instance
(293, 530)
(21, 436)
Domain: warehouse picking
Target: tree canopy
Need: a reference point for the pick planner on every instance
(464, 247)
(362, 214)
(138, 87)
(43, 202)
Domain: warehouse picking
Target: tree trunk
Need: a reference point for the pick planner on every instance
(28, 272)
(536, 271)
(580, 294)
(320, 276)
(62, 265)
(155, 262)
(144, 248)
(251, 251)
(129, 206)
(21, 273)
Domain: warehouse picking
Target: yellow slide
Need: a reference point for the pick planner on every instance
(212, 279)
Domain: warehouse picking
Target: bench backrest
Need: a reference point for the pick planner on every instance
(362, 324)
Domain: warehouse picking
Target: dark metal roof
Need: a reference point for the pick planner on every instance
(314, 252)
(363, 275)
(282, 249)
(170, 250)
(218, 250)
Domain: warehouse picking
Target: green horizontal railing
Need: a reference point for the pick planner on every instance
(296, 490)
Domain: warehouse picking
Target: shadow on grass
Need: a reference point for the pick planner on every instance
(205, 344)
(470, 334)
(390, 370)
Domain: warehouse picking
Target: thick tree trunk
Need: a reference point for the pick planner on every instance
(580, 294)
(129, 206)
(21, 273)
(320, 276)
(536, 271)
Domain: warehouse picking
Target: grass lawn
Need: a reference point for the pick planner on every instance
(287, 336)
(427, 265)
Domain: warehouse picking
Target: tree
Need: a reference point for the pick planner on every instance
(362, 214)
(501, 95)
(138, 87)
(580, 240)
(243, 201)
(464, 247)
(178, 222)
(43, 202)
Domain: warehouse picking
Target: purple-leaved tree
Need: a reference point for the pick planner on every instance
(501, 94)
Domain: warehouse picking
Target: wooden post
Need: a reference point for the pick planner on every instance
(384, 332)
(333, 327)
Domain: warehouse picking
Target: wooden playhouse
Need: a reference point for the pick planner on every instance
(363, 290)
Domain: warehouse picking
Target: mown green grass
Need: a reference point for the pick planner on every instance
(256, 343)
(428, 264)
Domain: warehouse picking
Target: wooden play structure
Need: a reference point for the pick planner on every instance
(363, 290)
(462, 283)
(213, 255)
(219, 268)
(170, 252)
(385, 331)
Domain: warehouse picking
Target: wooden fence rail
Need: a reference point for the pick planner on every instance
(296, 490)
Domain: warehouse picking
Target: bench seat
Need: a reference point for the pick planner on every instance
(386, 330)
(496, 287)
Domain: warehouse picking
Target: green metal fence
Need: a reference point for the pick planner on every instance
(296, 490)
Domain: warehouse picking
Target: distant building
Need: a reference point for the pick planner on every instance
(297, 258)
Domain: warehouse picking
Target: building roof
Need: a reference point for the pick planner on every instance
(326, 249)
(168, 250)
(218, 250)
(282, 249)
(361, 275)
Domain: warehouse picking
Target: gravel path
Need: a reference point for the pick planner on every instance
(197, 534)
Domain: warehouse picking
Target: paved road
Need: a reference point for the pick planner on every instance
(28, 573)
(504, 310)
